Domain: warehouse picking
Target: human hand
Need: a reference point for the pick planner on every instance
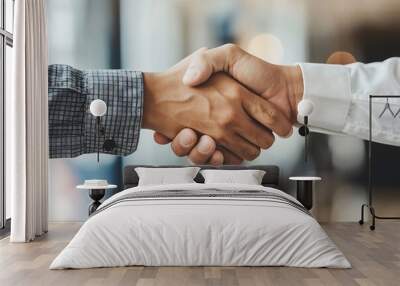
(200, 149)
(204, 63)
(219, 108)
(280, 85)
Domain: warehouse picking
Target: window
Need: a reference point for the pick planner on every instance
(6, 44)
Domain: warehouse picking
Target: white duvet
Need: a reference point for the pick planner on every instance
(200, 231)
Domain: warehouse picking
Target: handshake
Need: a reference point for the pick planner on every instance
(222, 105)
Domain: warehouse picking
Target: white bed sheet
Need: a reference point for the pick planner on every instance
(193, 231)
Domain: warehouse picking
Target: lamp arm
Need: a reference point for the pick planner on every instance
(306, 131)
(98, 137)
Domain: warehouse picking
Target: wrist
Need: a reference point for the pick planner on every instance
(152, 82)
(162, 99)
(295, 86)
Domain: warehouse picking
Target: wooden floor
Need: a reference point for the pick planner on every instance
(375, 257)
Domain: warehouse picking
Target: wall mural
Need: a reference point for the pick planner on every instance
(154, 35)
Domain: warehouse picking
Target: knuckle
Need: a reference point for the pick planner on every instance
(272, 116)
(208, 140)
(261, 108)
(231, 48)
(226, 118)
(178, 151)
(260, 111)
(196, 160)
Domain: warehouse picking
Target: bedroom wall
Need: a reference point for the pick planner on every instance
(152, 35)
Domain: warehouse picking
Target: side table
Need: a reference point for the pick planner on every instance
(96, 193)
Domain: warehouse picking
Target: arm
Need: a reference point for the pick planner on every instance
(239, 120)
(72, 130)
(340, 93)
(341, 98)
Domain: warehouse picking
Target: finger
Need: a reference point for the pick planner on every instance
(184, 142)
(203, 151)
(240, 146)
(267, 114)
(254, 132)
(161, 139)
(198, 71)
(229, 157)
(217, 158)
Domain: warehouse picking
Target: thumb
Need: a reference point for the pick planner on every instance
(198, 71)
(204, 63)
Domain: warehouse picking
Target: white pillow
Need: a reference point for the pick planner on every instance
(164, 176)
(248, 177)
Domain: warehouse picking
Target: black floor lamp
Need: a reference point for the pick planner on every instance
(370, 173)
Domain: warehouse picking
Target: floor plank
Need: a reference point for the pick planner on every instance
(375, 257)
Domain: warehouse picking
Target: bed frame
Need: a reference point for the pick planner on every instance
(270, 179)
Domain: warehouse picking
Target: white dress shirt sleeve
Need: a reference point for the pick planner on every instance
(340, 94)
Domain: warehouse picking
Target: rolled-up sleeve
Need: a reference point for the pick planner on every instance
(72, 128)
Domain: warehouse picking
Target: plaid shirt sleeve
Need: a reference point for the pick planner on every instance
(72, 128)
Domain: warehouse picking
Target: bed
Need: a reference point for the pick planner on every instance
(197, 224)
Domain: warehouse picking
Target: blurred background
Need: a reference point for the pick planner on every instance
(152, 35)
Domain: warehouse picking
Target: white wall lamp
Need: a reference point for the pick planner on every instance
(98, 108)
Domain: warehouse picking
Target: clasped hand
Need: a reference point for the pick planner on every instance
(221, 106)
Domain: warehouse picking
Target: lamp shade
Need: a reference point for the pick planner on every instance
(98, 107)
(305, 107)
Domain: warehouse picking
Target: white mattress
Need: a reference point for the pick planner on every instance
(200, 231)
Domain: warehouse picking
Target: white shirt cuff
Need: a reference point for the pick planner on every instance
(328, 87)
